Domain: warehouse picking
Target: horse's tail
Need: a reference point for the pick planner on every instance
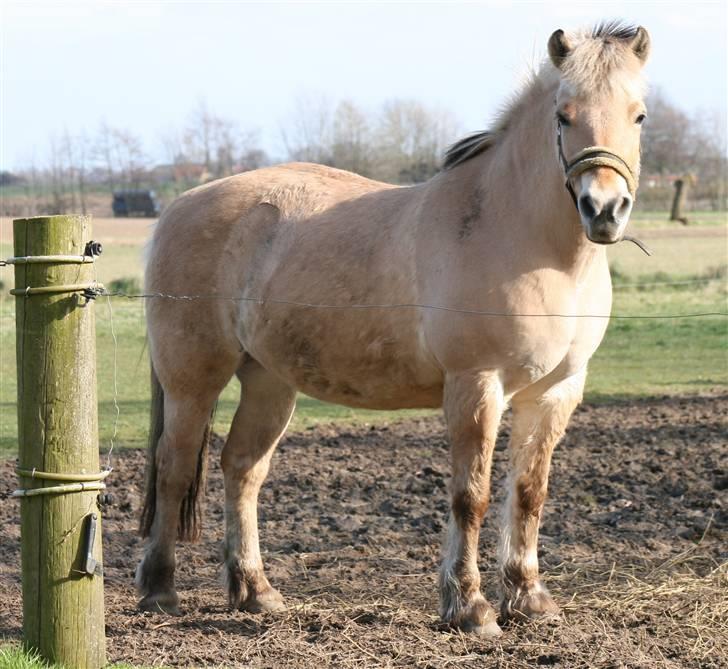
(190, 516)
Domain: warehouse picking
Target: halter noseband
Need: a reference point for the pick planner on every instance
(589, 158)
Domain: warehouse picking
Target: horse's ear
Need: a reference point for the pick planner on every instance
(559, 47)
(641, 44)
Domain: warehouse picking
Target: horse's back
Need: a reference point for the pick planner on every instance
(302, 234)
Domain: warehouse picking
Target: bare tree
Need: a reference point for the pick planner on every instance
(57, 176)
(180, 171)
(130, 157)
(103, 153)
(307, 132)
(75, 150)
(676, 144)
(198, 136)
(411, 139)
(81, 168)
(251, 156)
(665, 137)
(215, 142)
(351, 142)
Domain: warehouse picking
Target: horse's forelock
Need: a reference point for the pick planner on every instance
(602, 57)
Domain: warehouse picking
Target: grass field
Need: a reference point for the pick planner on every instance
(639, 357)
(653, 219)
(13, 657)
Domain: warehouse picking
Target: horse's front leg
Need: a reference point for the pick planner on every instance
(539, 421)
(473, 404)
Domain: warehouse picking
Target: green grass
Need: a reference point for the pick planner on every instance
(676, 256)
(660, 219)
(637, 358)
(14, 657)
(645, 357)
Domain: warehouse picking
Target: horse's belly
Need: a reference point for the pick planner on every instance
(376, 393)
(362, 362)
(363, 383)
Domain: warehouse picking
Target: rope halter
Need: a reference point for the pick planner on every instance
(590, 158)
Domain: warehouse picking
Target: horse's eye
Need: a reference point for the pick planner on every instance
(640, 119)
(562, 119)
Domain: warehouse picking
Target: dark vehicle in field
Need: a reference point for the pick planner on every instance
(135, 203)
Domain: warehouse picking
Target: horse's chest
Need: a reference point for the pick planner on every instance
(554, 352)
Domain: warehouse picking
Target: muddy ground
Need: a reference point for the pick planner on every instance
(633, 547)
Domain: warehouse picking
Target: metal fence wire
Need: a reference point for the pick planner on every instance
(414, 305)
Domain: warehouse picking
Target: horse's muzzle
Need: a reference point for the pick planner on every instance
(604, 221)
(604, 233)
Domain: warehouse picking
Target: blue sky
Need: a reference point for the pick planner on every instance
(145, 65)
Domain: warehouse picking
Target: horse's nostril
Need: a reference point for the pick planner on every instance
(586, 206)
(624, 206)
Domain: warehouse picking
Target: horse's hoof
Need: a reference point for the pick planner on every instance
(264, 602)
(538, 605)
(488, 630)
(479, 618)
(161, 603)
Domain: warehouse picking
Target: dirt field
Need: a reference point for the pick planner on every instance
(634, 534)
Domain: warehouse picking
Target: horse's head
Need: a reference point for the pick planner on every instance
(599, 109)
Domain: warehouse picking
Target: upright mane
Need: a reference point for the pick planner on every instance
(596, 54)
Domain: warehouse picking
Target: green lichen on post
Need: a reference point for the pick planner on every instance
(63, 608)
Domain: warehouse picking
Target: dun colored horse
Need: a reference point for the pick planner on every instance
(486, 286)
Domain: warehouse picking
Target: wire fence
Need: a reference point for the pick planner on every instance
(99, 291)
(415, 305)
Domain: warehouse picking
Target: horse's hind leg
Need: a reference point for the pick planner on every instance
(538, 424)
(473, 404)
(191, 385)
(266, 407)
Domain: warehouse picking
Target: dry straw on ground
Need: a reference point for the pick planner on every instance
(633, 547)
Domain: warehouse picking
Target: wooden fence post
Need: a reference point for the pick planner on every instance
(678, 201)
(63, 604)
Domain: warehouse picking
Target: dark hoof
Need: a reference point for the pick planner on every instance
(167, 603)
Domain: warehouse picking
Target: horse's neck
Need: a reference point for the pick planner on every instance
(542, 214)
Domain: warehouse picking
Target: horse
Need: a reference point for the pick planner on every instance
(485, 287)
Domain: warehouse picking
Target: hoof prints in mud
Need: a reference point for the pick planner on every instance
(351, 523)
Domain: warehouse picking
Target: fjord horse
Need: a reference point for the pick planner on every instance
(484, 287)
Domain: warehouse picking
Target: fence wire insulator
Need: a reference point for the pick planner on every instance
(93, 249)
(91, 293)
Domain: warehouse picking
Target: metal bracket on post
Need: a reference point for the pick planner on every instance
(91, 566)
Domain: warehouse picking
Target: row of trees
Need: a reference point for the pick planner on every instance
(403, 142)
(678, 144)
